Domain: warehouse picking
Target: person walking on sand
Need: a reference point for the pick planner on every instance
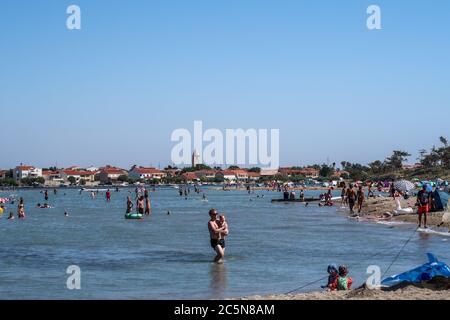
(351, 198)
(423, 203)
(217, 243)
(370, 193)
(360, 197)
(343, 194)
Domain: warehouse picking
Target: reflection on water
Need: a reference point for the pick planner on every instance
(218, 277)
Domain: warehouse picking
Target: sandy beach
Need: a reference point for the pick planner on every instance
(374, 210)
(407, 293)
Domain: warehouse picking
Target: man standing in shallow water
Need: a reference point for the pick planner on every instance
(217, 242)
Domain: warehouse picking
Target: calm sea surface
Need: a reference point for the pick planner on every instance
(272, 248)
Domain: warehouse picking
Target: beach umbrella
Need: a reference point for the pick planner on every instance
(404, 186)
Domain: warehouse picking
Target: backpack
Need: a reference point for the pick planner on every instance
(342, 284)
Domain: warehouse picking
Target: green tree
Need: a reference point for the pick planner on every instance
(123, 178)
(326, 171)
(72, 180)
(377, 167)
(397, 159)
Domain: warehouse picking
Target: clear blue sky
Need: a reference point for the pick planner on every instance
(114, 91)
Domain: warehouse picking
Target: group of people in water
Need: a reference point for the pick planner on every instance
(20, 210)
(143, 203)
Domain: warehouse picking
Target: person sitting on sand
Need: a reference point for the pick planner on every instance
(332, 278)
(343, 282)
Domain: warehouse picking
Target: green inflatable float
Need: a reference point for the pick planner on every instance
(134, 216)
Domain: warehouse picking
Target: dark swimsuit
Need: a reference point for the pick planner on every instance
(217, 242)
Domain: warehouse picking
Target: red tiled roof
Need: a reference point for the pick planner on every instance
(25, 168)
(48, 172)
(111, 170)
(254, 174)
(78, 173)
(228, 173)
(190, 176)
(143, 170)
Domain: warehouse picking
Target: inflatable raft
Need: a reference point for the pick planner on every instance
(428, 271)
(134, 216)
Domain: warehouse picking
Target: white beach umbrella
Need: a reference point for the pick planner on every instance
(404, 186)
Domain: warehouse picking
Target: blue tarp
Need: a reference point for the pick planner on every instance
(426, 272)
(441, 200)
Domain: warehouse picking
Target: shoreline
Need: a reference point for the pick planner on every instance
(375, 210)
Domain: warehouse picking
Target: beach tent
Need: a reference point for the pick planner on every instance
(426, 272)
(441, 200)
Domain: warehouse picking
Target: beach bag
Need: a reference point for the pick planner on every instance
(342, 284)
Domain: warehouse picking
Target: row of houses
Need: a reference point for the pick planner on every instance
(110, 174)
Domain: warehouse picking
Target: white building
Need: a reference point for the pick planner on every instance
(146, 173)
(22, 172)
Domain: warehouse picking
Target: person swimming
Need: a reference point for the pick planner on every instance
(11, 216)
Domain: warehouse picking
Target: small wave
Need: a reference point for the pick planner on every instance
(436, 232)
(394, 223)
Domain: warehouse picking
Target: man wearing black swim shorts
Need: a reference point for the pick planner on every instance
(214, 231)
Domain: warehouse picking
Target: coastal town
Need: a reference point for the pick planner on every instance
(24, 175)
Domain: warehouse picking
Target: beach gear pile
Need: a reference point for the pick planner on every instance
(425, 273)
